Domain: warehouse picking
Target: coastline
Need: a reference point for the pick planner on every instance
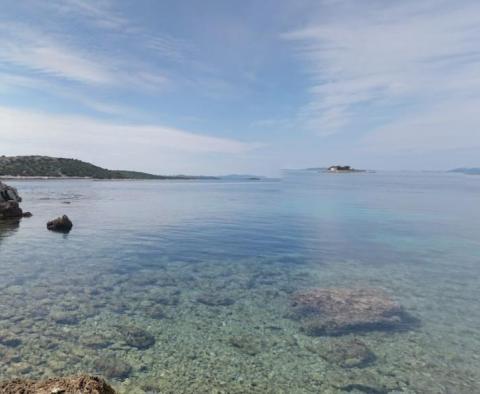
(69, 178)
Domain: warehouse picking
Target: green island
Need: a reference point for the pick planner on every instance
(56, 167)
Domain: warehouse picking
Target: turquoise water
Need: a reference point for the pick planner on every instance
(185, 287)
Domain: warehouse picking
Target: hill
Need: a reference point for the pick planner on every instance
(53, 167)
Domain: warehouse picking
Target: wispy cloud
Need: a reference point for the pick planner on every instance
(372, 55)
(35, 51)
(99, 12)
(27, 129)
(105, 15)
(40, 54)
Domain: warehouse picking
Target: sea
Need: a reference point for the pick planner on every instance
(187, 286)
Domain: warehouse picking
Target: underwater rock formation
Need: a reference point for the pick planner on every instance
(62, 224)
(339, 311)
(136, 337)
(352, 353)
(112, 367)
(156, 312)
(8, 339)
(69, 385)
(248, 344)
(95, 341)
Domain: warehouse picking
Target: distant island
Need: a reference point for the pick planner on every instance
(55, 167)
(468, 171)
(340, 169)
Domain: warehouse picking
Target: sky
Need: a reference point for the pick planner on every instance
(224, 86)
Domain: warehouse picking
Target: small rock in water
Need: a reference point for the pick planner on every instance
(137, 337)
(339, 311)
(62, 224)
(112, 367)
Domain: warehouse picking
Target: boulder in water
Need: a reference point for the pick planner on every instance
(61, 224)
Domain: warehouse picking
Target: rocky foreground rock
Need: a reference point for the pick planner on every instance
(339, 311)
(9, 203)
(61, 224)
(82, 384)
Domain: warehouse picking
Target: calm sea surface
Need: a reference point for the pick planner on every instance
(185, 287)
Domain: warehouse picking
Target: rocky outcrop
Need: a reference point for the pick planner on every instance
(9, 203)
(339, 311)
(62, 224)
(69, 385)
(10, 210)
(8, 193)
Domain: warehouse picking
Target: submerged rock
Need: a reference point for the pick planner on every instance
(156, 312)
(215, 299)
(352, 353)
(339, 311)
(69, 385)
(9, 340)
(61, 224)
(137, 337)
(64, 317)
(112, 367)
(166, 297)
(95, 341)
(248, 344)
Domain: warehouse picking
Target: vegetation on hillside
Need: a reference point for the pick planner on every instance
(43, 166)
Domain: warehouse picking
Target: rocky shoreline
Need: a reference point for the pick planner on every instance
(83, 384)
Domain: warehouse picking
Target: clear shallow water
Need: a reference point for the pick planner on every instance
(144, 256)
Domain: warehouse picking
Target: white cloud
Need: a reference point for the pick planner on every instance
(372, 55)
(56, 134)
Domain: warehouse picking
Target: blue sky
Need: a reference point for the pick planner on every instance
(214, 87)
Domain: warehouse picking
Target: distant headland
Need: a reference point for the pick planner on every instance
(60, 168)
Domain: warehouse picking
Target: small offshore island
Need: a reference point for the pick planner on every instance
(335, 169)
(54, 167)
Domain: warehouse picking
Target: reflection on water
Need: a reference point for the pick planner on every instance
(8, 227)
(188, 286)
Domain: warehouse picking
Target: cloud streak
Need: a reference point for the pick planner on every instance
(28, 129)
(369, 57)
